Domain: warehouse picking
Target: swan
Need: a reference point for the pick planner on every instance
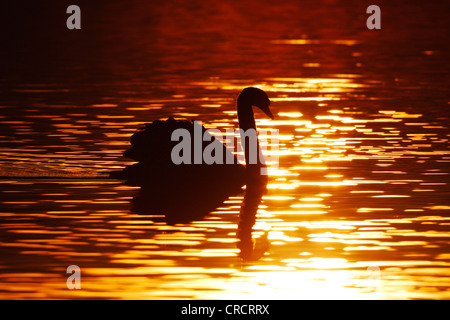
(185, 192)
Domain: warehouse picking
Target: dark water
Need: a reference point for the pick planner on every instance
(361, 192)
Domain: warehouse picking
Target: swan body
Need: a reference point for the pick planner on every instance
(152, 147)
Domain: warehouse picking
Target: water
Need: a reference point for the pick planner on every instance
(358, 207)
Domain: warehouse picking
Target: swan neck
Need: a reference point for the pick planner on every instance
(246, 117)
(247, 122)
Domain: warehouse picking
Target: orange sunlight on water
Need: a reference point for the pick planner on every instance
(362, 181)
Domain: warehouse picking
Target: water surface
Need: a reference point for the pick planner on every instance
(361, 192)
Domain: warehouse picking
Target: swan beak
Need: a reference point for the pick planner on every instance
(267, 111)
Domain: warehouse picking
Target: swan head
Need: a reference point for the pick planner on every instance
(252, 96)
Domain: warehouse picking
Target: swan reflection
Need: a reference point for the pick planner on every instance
(251, 249)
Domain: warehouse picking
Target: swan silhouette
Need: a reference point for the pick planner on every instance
(186, 192)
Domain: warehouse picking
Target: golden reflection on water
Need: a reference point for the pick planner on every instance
(349, 194)
(363, 172)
